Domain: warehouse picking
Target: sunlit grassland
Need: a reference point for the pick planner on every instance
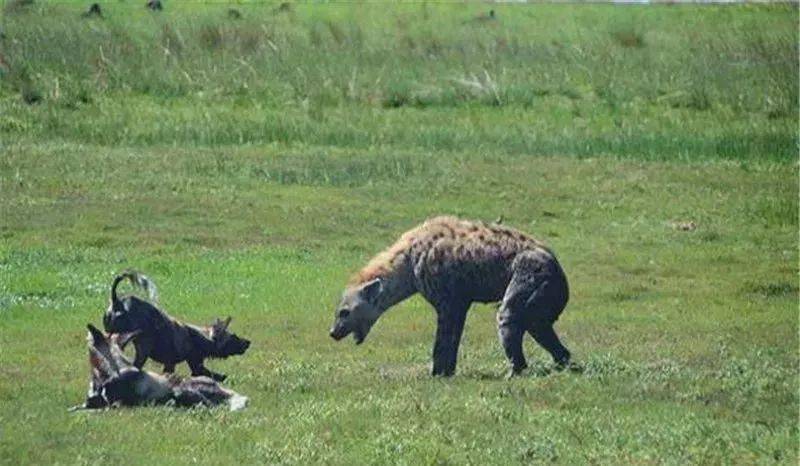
(688, 337)
(668, 83)
(249, 166)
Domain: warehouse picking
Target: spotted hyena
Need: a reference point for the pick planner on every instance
(453, 263)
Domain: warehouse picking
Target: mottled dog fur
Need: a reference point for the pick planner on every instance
(165, 339)
(453, 263)
(115, 381)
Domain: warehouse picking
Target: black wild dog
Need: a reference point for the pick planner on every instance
(453, 263)
(115, 381)
(165, 339)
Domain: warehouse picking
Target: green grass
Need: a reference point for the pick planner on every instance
(256, 193)
(661, 83)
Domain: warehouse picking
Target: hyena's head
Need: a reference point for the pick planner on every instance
(357, 311)
(226, 343)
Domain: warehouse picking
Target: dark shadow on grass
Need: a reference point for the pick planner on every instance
(771, 290)
(535, 371)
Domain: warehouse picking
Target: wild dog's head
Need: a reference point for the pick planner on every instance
(357, 311)
(118, 318)
(109, 366)
(225, 342)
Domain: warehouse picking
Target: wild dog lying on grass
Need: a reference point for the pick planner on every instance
(116, 381)
(165, 339)
(453, 263)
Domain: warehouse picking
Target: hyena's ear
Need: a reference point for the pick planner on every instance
(371, 290)
(227, 322)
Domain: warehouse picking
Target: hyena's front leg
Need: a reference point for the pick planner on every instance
(450, 327)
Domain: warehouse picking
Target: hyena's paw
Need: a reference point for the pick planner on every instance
(444, 373)
(219, 377)
(568, 366)
(515, 371)
(575, 367)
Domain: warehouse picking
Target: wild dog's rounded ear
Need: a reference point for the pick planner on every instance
(227, 322)
(371, 290)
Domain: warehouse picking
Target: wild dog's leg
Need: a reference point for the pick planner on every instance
(198, 368)
(217, 376)
(450, 327)
(189, 398)
(142, 347)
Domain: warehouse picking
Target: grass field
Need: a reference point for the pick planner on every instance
(250, 165)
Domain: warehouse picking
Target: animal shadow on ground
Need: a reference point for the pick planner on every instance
(536, 369)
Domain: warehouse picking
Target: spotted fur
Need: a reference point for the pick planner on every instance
(453, 263)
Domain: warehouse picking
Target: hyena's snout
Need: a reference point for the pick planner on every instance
(341, 328)
(359, 331)
(338, 332)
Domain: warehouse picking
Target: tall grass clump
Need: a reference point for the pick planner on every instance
(596, 83)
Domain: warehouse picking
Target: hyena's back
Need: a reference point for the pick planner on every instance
(472, 260)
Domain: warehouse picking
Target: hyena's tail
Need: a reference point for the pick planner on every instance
(136, 279)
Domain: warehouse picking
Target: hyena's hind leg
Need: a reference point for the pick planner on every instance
(544, 334)
(512, 322)
(545, 306)
(535, 297)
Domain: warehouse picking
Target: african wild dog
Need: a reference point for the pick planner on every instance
(165, 339)
(453, 263)
(115, 381)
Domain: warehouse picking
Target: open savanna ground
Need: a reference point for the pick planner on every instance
(250, 164)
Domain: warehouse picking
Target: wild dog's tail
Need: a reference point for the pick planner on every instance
(136, 279)
(237, 402)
